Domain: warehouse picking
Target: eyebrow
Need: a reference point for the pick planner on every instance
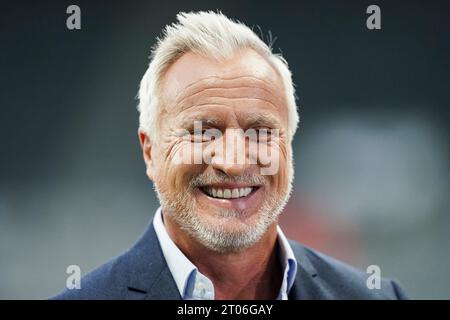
(251, 121)
(189, 122)
(263, 120)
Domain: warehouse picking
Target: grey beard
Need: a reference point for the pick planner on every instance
(180, 207)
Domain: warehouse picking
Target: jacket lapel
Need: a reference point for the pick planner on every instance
(149, 275)
(306, 286)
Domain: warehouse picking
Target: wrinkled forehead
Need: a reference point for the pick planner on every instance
(191, 74)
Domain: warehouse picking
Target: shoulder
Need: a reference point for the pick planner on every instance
(105, 282)
(123, 277)
(338, 280)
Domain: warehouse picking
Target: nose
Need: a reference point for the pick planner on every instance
(230, 153)
(230, 169)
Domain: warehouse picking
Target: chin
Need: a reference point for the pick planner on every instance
(230, 231)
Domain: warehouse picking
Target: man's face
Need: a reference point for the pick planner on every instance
(225, 203)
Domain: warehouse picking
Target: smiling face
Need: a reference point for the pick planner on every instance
(226, 204)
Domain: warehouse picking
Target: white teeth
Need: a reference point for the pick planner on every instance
(228, 193)
(244, 191)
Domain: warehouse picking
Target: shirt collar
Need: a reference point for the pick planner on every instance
(180, 266)
(289, 264)
(185, 272)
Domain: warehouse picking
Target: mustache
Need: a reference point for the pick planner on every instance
(207, 179)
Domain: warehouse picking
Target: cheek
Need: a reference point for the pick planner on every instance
(177, 177)
(282, 178)
(178, 166)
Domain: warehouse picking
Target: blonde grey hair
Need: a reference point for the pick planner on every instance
(212, 35)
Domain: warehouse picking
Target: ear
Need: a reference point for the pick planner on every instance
(147, 147)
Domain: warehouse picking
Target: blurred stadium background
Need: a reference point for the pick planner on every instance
(371, 154)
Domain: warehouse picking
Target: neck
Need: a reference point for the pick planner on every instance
(253, 273)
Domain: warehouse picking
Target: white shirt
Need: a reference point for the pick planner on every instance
(193, 285)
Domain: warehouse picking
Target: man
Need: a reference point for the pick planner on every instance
(217, 119)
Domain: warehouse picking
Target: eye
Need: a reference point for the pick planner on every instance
(198, 133)
(264, 130)
(260, 134)
(202, 135)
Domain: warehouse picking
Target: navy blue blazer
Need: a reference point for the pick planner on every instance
(142, 273)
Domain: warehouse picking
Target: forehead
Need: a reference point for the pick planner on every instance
(193, 79)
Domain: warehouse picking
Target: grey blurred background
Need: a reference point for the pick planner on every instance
(371, 154)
